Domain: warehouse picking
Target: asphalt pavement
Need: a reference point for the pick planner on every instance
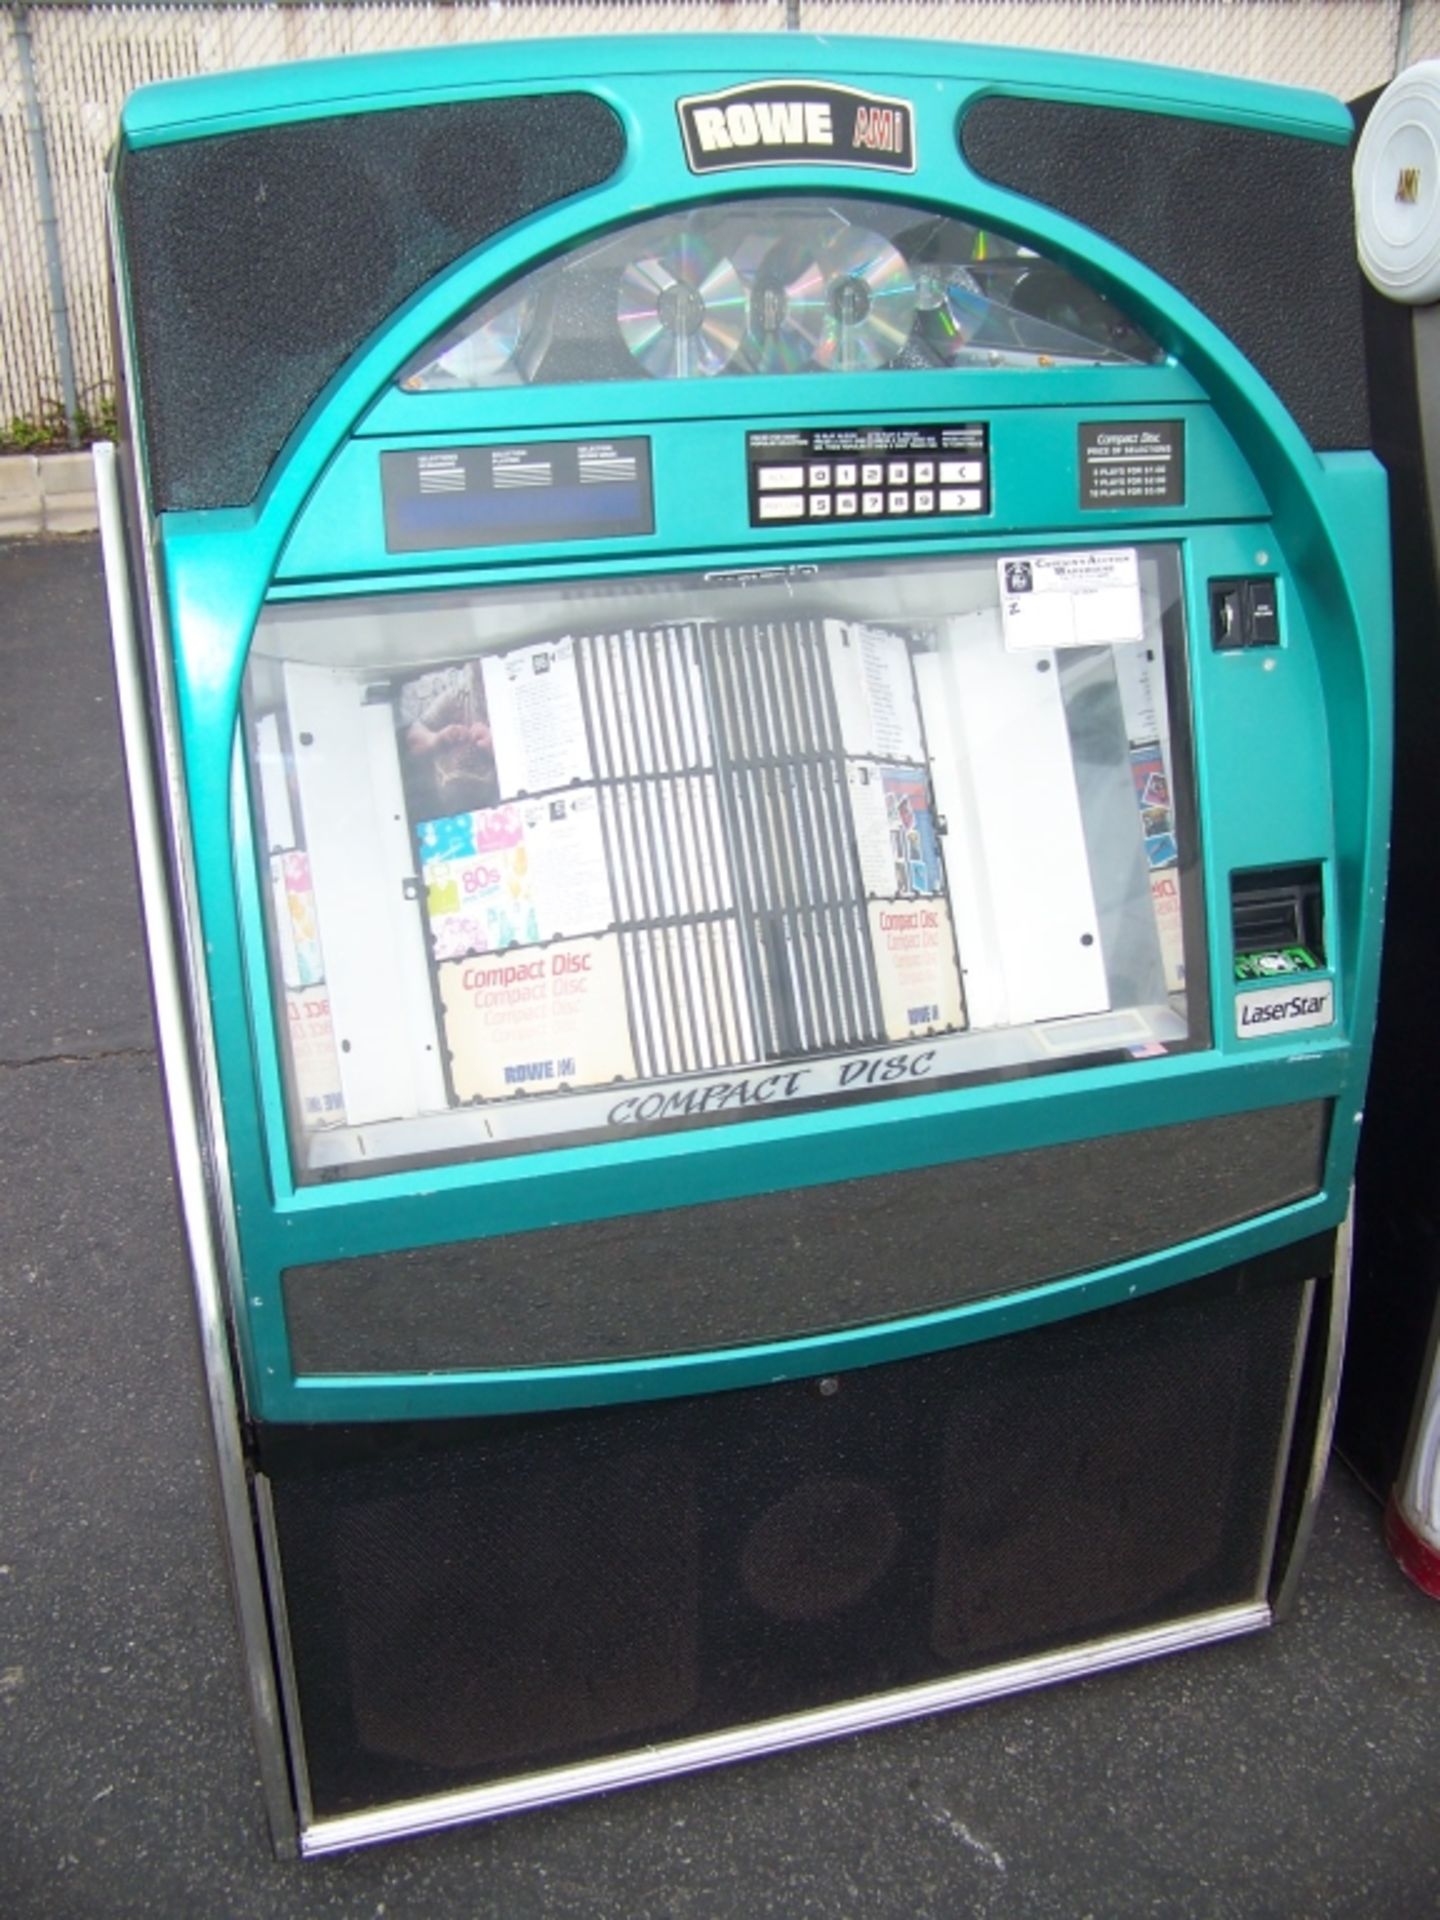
(1295, 1774)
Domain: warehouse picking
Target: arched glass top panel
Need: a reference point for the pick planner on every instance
(796, 285)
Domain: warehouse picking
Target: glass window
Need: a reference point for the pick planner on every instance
(564, 860)
(782, 286)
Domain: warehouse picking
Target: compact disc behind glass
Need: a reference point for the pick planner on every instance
(859, 305)
(951, 307)
(682, 309)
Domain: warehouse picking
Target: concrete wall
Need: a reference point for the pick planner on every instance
(46, 493)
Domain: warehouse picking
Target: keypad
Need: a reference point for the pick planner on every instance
(890, 489)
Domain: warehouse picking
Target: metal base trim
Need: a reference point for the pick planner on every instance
(772, 1736)
(1283, 1596)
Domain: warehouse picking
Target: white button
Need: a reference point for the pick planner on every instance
(846, 503)
(960, 472)
(781, 479)
(873, 503)
(845, 475)
(924, 501)
(871, 474)
(960, 500)
(820, 506)
(899, 503)
(783, 506)
(819, 476)
(924, 473)
(899, 474)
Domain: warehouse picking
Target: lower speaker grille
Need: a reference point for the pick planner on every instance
(477, 1600)
(778, 1265)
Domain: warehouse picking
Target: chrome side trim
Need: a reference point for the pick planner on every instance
(165, 758)
(1303, 1326)
(1283, 1598)
(191, 1077)
(773, 1736)
(284, 1647)
(188, 1136)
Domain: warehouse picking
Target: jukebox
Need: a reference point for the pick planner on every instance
(755, 696)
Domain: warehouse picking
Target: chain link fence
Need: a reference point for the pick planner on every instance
(66, 67)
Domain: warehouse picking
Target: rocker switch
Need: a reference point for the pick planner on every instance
(1245, 613)
(1263, 598)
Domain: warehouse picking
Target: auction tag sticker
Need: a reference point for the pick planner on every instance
(1070, 599)
(1285, 1009)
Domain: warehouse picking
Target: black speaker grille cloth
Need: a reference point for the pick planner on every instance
(475, 1600)
(258, 262)
(1256, 228)
(777, 1265)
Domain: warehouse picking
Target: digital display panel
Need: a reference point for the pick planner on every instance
(483, 496)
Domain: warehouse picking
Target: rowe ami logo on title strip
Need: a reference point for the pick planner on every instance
(772, 122)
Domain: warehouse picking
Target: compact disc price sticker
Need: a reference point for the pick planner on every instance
(1132, 463)
(1070, 599)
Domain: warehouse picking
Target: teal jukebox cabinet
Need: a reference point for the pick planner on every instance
(755, 679)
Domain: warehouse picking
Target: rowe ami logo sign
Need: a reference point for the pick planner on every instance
(775, 122)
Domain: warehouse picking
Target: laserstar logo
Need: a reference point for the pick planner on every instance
(789, 122)
(1283, 1009)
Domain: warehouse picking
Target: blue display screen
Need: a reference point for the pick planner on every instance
(483, 496)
